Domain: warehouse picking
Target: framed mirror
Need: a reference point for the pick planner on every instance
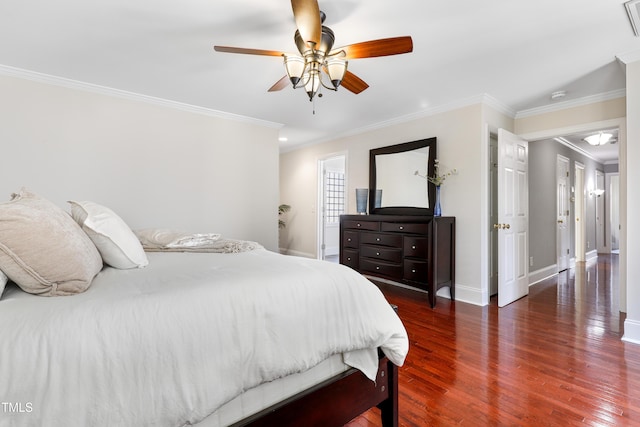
(394, 187)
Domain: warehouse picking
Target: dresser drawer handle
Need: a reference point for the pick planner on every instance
(377, 253)
(413, 270)
(377, 267)
(377, 239)
(358, 225)
(413, 247)
(349, 239)
(348, 258)
(401, 228)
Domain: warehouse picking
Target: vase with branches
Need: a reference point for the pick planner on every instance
(437, 179)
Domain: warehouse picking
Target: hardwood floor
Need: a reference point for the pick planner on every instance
(553, 358)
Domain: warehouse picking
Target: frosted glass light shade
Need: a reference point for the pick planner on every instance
(295, 68)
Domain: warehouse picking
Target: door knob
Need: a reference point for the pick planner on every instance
(560, 221)
(502, 226)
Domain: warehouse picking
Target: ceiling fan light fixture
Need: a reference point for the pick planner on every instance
(600, 138)
(312, 82)
(295, 66)
(336, 68)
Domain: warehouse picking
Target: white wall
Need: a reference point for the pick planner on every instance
(155, 166)
(630, 177)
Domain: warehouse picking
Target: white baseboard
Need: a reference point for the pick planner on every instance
(285, 251)
(631, 331)
(591, 255)
(462, 293)
(470, 295)
(543, 273)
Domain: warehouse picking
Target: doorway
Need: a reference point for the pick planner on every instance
(332, 202)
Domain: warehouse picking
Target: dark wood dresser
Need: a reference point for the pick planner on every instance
(418, 251)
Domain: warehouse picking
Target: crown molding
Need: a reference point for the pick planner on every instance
(575, 148)
(34, 76)
(499, 106)
(629, 57)
(606, 96)
(428, 112)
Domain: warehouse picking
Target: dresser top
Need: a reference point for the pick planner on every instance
(391, 218)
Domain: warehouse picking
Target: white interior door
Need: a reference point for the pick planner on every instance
(579, 213)
(513, 217)
(493, 191)
(601, 243)
(613, 207)
(563, 231)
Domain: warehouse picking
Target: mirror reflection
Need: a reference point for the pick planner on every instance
(395, 176)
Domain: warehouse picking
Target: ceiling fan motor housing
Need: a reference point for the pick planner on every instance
(325, 45)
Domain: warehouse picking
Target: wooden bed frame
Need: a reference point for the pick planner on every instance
(335, 401)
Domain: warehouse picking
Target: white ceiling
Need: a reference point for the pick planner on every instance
(516, 52)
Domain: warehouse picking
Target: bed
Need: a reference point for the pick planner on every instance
(199, 337)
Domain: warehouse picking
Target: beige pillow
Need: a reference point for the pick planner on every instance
(42, 249)
(117, 244)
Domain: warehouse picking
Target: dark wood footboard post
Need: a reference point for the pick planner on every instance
(389, 407)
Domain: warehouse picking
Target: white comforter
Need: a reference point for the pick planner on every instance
(168, 344)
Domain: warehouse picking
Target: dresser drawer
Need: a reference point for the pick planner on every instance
(361, 225)
(394, 240)
(350, 258)
(416, 271)
(380, 267)
(350, 239)
(401, 227)
(383, 253)
(416, 247)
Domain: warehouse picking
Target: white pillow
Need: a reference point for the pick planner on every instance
(3, 282)
(117, 244)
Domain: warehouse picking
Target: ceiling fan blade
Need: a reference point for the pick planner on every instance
(374, 48)
(280, 84)
(229, 49)
(308, 22)
(353, 83)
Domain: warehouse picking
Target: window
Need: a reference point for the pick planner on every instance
(334, 197)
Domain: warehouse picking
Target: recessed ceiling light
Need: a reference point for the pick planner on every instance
(558, 94)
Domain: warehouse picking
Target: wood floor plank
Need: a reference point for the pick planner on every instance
(553, 358)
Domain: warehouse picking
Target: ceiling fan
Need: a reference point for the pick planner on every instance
(318, 61)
